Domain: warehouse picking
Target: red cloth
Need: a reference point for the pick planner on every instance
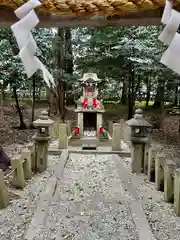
(94, 102)
(85, 102)
(76, 131)
(101, 130)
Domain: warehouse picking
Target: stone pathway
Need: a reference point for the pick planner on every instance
(95, 200)
(15, 219)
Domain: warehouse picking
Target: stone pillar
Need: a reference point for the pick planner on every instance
(177, 192)
(151, 164)
(139, 130)
(99, 120)
(31, 148)
(63, 136)
(146, 155)
(110, 126)
(116, 137)
(121, 128)
(169, 170)
(4, 197)
(80, 123)
(137, 153)
(69, 123)
(159, 171)
(41, 141)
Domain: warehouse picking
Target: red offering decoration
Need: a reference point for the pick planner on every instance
(101, 131)
(76, 131)
(94, 102)
(85, 102)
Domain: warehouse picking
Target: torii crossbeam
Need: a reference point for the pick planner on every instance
(92, 13)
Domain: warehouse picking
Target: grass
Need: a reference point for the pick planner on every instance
(143, 104)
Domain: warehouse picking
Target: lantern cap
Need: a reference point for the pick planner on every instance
(138, 120)
(43, 120)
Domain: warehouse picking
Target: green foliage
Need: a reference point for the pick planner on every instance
(113, 53)
(10, 62)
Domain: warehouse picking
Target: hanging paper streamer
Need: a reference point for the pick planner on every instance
(167, 12)
(169, 36)
(171, 57)
(27, 45)
(171, 28)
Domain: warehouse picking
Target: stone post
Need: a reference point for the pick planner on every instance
(137, 153)
(26, 158)
(18, 174)
(80, 123)
(177, 192)
(146, 156)
(169, 170)
(110, 126)
(69, 124)
(41, 141)
(63, 136)
(4, 197)
(31, 148)
(121, 129)
(116, 137)
(140, 136)
(159, 171)
(99, 121)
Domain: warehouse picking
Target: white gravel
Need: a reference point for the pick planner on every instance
(90, 203)
(15, 218)
(164, 223)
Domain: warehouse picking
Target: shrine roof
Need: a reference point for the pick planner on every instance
(90, 77)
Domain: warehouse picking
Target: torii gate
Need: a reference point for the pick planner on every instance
(91, 13)
(79, 13)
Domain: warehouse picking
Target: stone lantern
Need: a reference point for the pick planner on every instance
(139, 127)
(140, 132)
(41, 141)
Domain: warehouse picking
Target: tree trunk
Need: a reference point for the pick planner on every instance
(148, 93)
(159, 93)
(68, 52)
(22, 124)
(61, 98)
(124, 93)
(131, 97)
(157, 102)
(61, 65)
(162, 104)
(33, 100)
(137, 88)
(176, 96)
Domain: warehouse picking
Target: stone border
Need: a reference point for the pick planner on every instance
(42, 206)
(56, 151)
(138, 215)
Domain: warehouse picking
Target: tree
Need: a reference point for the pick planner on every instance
(127, 55)
(63, 67)
(12, 70)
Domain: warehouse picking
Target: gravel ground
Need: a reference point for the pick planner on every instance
(16, 217)
(90, 203)
(164, 223)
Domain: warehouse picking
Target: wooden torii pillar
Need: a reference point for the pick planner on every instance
(89, 13)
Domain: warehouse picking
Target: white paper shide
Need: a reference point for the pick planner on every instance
(27, 45)
(170, 37)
